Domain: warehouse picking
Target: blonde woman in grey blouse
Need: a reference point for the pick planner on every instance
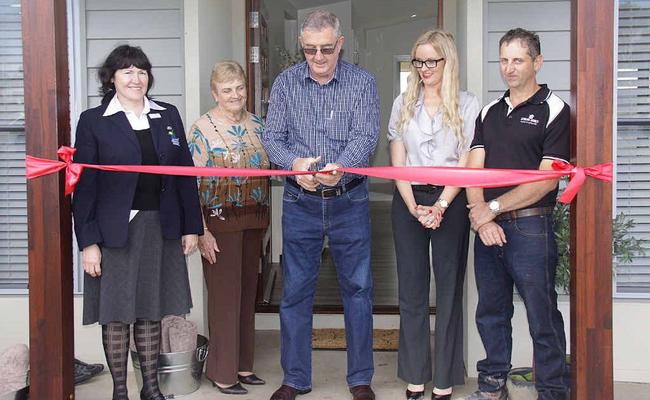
(431, 124)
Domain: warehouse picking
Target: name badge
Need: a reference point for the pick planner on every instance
(154, 115)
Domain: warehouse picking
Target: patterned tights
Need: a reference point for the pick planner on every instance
(115, 337)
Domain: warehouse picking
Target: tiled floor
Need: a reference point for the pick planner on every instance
(328, 376)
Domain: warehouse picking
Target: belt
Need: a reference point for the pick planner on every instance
(425, 188)
(326, 191)
(526, 212)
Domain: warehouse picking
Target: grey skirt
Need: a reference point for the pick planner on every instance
(147, 279)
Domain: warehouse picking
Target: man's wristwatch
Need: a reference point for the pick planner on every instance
(494, 206)
(442, 203)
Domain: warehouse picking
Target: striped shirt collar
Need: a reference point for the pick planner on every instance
(306, 73)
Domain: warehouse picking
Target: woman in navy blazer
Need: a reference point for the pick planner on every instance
(134, 229)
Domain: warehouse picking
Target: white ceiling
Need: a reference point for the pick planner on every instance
(374, 13)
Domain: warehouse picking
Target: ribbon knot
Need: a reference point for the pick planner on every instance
(577, 177)
(35, 167)
(72, 171)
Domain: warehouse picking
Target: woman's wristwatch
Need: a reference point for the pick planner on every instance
(442, 203)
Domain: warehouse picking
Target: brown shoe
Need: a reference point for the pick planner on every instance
(362, 392)
(286, 392)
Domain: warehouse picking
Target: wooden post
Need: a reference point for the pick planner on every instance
(47, 126)
(592, 89)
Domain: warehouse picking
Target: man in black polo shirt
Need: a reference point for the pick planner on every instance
(527, 128)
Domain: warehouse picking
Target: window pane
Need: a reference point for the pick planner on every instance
(632, 224)
(404, 70)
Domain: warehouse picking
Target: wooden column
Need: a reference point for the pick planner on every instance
(592, 88)
(47, 126)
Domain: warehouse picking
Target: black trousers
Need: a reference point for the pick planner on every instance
(449, 244)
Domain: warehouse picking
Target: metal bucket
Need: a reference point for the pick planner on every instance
(178, 373)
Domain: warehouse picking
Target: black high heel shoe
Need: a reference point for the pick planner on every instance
(158, 396)
(237, 388)
(251, 379)
(414, 395)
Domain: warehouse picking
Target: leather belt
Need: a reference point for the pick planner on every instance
(425, 188)
(327, 192)
(525, 212)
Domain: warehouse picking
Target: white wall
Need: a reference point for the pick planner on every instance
(381, 45)
(214, 31)
(631, 351)
(552, 19)
(469, 34)
(15, 328)
(155, 25)
(343, 10)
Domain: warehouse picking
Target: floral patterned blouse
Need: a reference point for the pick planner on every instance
(236, 203)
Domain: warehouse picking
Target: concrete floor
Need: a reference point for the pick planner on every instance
(328, 378)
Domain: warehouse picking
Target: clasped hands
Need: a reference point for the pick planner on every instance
(429, 216)
(482, 220)
(311, 182)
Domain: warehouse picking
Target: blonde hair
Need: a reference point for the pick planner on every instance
(226, 71)
(443, 43)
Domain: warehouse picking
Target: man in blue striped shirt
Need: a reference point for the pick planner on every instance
(323, 115)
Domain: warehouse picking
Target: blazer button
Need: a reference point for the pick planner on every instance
(161, 156)
(162, 189)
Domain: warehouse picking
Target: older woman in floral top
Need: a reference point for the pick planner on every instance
(235, 218)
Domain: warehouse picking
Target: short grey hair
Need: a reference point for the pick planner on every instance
(318, 20)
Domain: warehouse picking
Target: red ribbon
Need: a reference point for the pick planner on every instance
(443, 176)
(578, 175)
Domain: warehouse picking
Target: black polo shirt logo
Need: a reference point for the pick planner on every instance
(530, 120)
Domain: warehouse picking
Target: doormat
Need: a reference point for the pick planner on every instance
(334, 339)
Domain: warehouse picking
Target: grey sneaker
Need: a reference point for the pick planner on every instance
(478, 395)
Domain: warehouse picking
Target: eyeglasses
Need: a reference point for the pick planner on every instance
(326, 51)
(429, 63)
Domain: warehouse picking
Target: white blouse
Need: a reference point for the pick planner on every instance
(428, 143)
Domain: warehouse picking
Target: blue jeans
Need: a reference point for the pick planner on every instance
(306, 220)
(528, 260)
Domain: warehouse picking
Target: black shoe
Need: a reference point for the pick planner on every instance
(84, 371)
(440, 396)
(414, 395)
(237, 388)
(158, 396)
(250, 379)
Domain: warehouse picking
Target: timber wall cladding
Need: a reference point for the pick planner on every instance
(154, 25)
(552, 22)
